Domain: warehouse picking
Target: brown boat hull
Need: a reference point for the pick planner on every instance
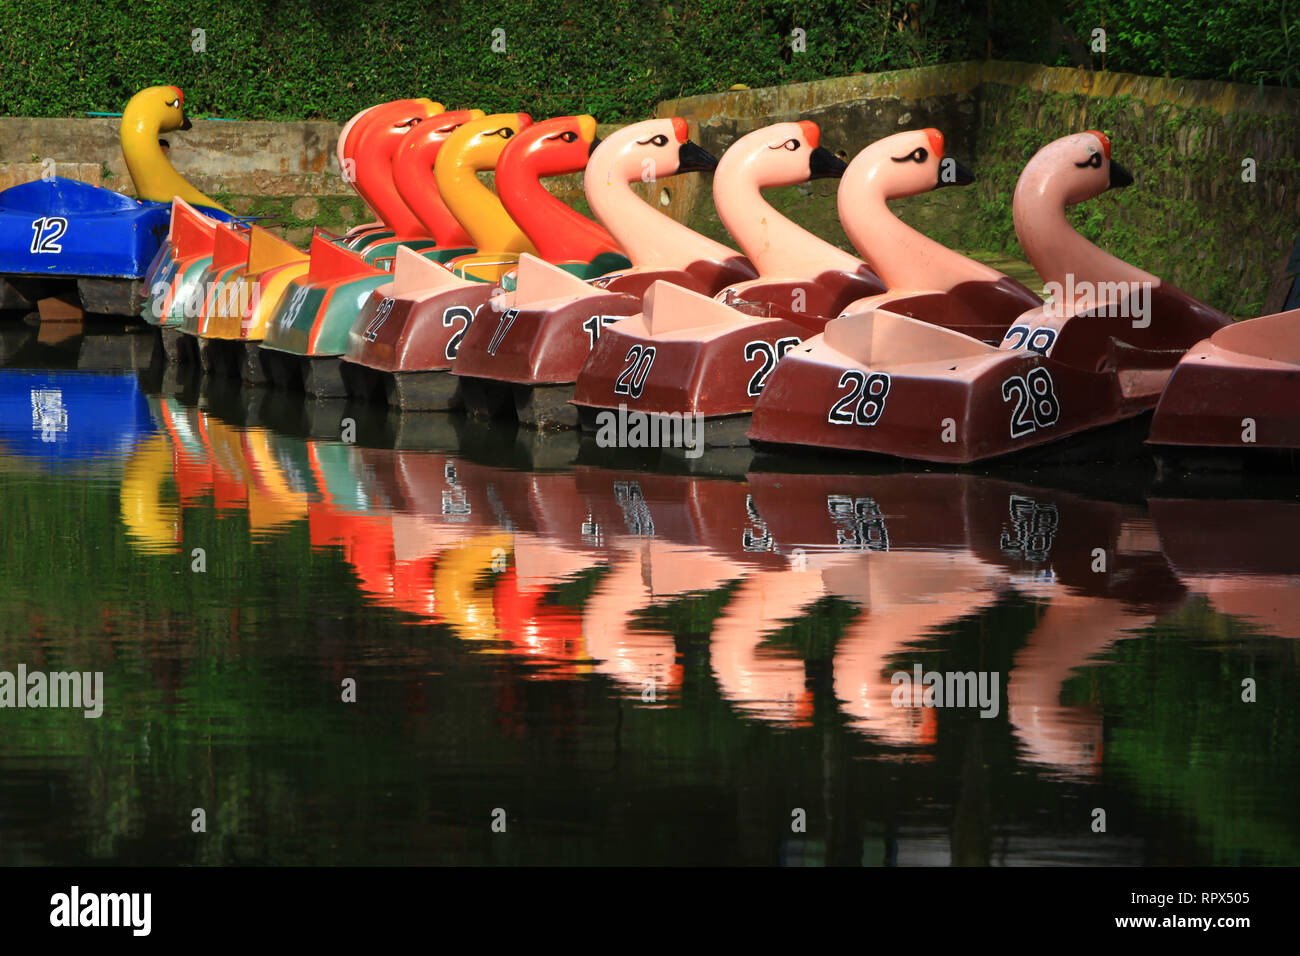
(538, 346)
(1238, 389)
(956, 410)
(716, 376)
(415, 334)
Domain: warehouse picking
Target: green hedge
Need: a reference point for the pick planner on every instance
(295, 59)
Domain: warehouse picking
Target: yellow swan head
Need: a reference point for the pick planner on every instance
(155, 110)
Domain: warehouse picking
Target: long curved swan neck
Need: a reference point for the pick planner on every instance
(776, 245)
(480, 212)
(473, 148)
(414, 177)
(649, 238)
(155, 179)
(900, 255)
(1057, 251)
(546, 219)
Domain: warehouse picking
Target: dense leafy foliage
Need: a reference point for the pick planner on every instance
(292, 59)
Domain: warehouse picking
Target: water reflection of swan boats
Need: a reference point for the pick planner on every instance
(1246, 565)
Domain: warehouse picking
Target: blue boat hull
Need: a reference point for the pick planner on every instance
(61, 228)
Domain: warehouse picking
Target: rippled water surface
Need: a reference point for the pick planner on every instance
(635, 664)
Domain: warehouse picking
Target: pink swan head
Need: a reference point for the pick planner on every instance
(783, 154)
(1070, 170)
(646, 151)
(904, 164)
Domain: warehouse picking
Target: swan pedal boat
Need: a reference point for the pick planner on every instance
(309, 333)
(251, 269)
(405, 343)
(1238, 389)
(882, 383)
(527, 346)
(89, 246)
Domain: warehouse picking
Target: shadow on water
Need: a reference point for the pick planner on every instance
(638, 660)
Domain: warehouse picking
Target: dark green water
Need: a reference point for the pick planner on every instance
(635, 666)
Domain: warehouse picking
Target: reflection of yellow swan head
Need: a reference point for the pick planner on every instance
(464, 598)
(154, 527)
(158, 109)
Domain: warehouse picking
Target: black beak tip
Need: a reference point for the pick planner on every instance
(185, 122)
(823, 164)
(953, 173)
(1119, 176)
(691, 159)
(595, 141)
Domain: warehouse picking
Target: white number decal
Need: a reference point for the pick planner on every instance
(769, 354)
(632, 381)
(378, 319)
(507, 319)
(1035, 340)
(457, 313)
(295, 306)
(46, 233)
(864, 402)
(593, 326)
(1036, 403)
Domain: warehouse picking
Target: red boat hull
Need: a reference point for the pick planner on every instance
(539, 346)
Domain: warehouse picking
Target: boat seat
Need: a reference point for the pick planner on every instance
(1274, 337)
(879, 338)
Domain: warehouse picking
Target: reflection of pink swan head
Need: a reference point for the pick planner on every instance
(1072, 633)
(905, 597)
(763, 682)
(631, 656)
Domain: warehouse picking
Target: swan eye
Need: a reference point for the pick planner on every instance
(567, 136)
(918, 155)
(790, 144)
(449, 129)
(173, 103)
(407, 124)
(505, 132)
(657, 140)
(1093, 161)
